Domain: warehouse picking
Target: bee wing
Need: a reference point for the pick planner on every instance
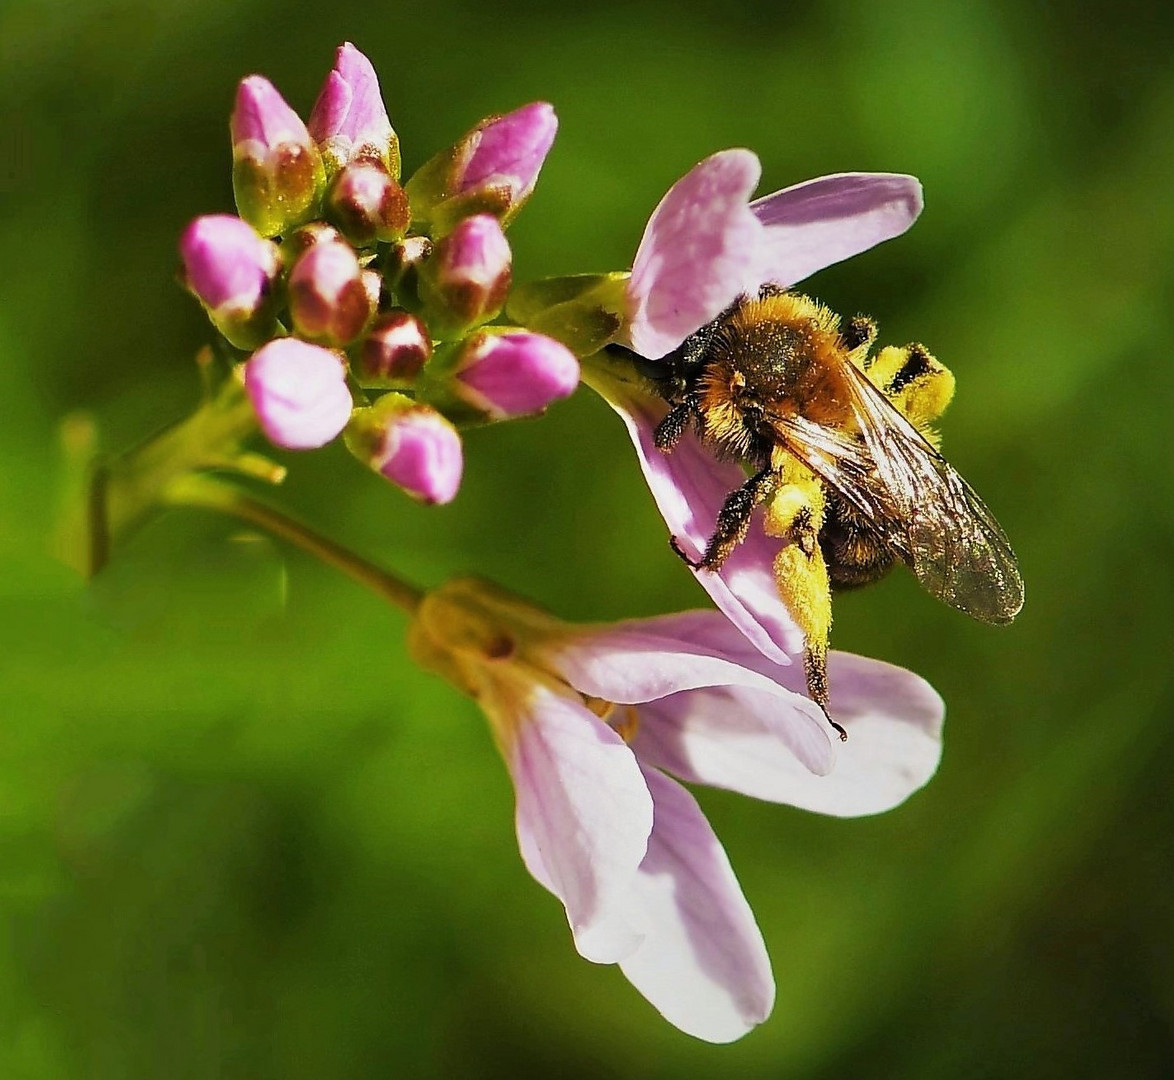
(915, 499)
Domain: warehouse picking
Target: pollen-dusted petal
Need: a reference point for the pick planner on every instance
(724, 738)
(583, 817)
(823, 221)
(703, 964)
(700, 250)
(299, 393)
(689, 486)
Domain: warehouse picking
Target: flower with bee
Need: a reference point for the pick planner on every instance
(741, 394)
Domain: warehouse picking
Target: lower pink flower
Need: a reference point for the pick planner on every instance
(592, 720)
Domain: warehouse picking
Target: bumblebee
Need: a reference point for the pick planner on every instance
(842, 456)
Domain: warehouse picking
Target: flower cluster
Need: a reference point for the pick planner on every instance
(364, 304)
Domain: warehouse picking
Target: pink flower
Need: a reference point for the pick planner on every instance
(231, 270)
(328, 298)
(591, 722)
(349, 119)
(299, 393)
(705, 245)
(514, 374)
(277, 172)
(411, 445)
(508, 151)
(467, 278)
(492, 169)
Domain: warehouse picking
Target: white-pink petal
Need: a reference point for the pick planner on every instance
(689, 486)
(829, 219)
(700, 250)
(725, 739)
(299, 393)
(583, 818)
(642, 662)
(703, 963)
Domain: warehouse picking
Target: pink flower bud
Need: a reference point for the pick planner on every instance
(411, 445)
(299, 393)
(508, 151)
(301, 240)
(492, 169)
(394, 351)
(231, 270)
(349, 121)
(467, 279)
(328, 299)
(277, 172)
(514, 374)
(368, 204)
(405, 258)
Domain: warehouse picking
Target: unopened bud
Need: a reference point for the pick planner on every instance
(395, 349)
(404, 259)
(232, 271)
(299, 393)
(328, 299)
(349, 120)
(512, 374)
(411, 445)
(301, 240)
(466, 280)
(277, 172)
(492, 170)
(368, 204)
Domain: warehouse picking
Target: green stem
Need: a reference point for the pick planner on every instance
(125, 490)
(210, 493)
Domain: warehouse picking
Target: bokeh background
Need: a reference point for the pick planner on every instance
(241, 837)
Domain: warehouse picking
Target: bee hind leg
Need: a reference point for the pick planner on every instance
(795, 514)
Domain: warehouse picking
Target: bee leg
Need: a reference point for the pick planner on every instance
(673, 425)
(918, 384)
(733, 520)
(795, 514)
(858, 336)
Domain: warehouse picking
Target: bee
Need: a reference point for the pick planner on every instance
(841, 453)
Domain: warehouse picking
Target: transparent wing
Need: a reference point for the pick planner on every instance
(914, 499)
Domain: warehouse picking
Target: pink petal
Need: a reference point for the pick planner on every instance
(700, 250)
(583, 818)
(299, 393)
(725, 738)
(703, 964)
(689, 486)
(511, 149)
(823, 221)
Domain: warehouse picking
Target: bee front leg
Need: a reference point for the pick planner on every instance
(674, 424)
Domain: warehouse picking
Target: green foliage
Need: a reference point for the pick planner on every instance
(241, 836)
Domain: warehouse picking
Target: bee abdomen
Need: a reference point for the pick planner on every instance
(855, 554)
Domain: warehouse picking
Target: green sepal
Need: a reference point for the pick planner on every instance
(583, 311)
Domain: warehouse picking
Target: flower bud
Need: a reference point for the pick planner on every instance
(299, 393)
(328, 298)
(394, 350)
(410, 444)
(516, 373)
(349, 120)
(277, 172)
(301, 240)
(404, 259)
(232, 271)
(467, 278)
(492, 170)
(368, 204)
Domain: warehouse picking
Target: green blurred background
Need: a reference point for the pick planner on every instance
(240, 836)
